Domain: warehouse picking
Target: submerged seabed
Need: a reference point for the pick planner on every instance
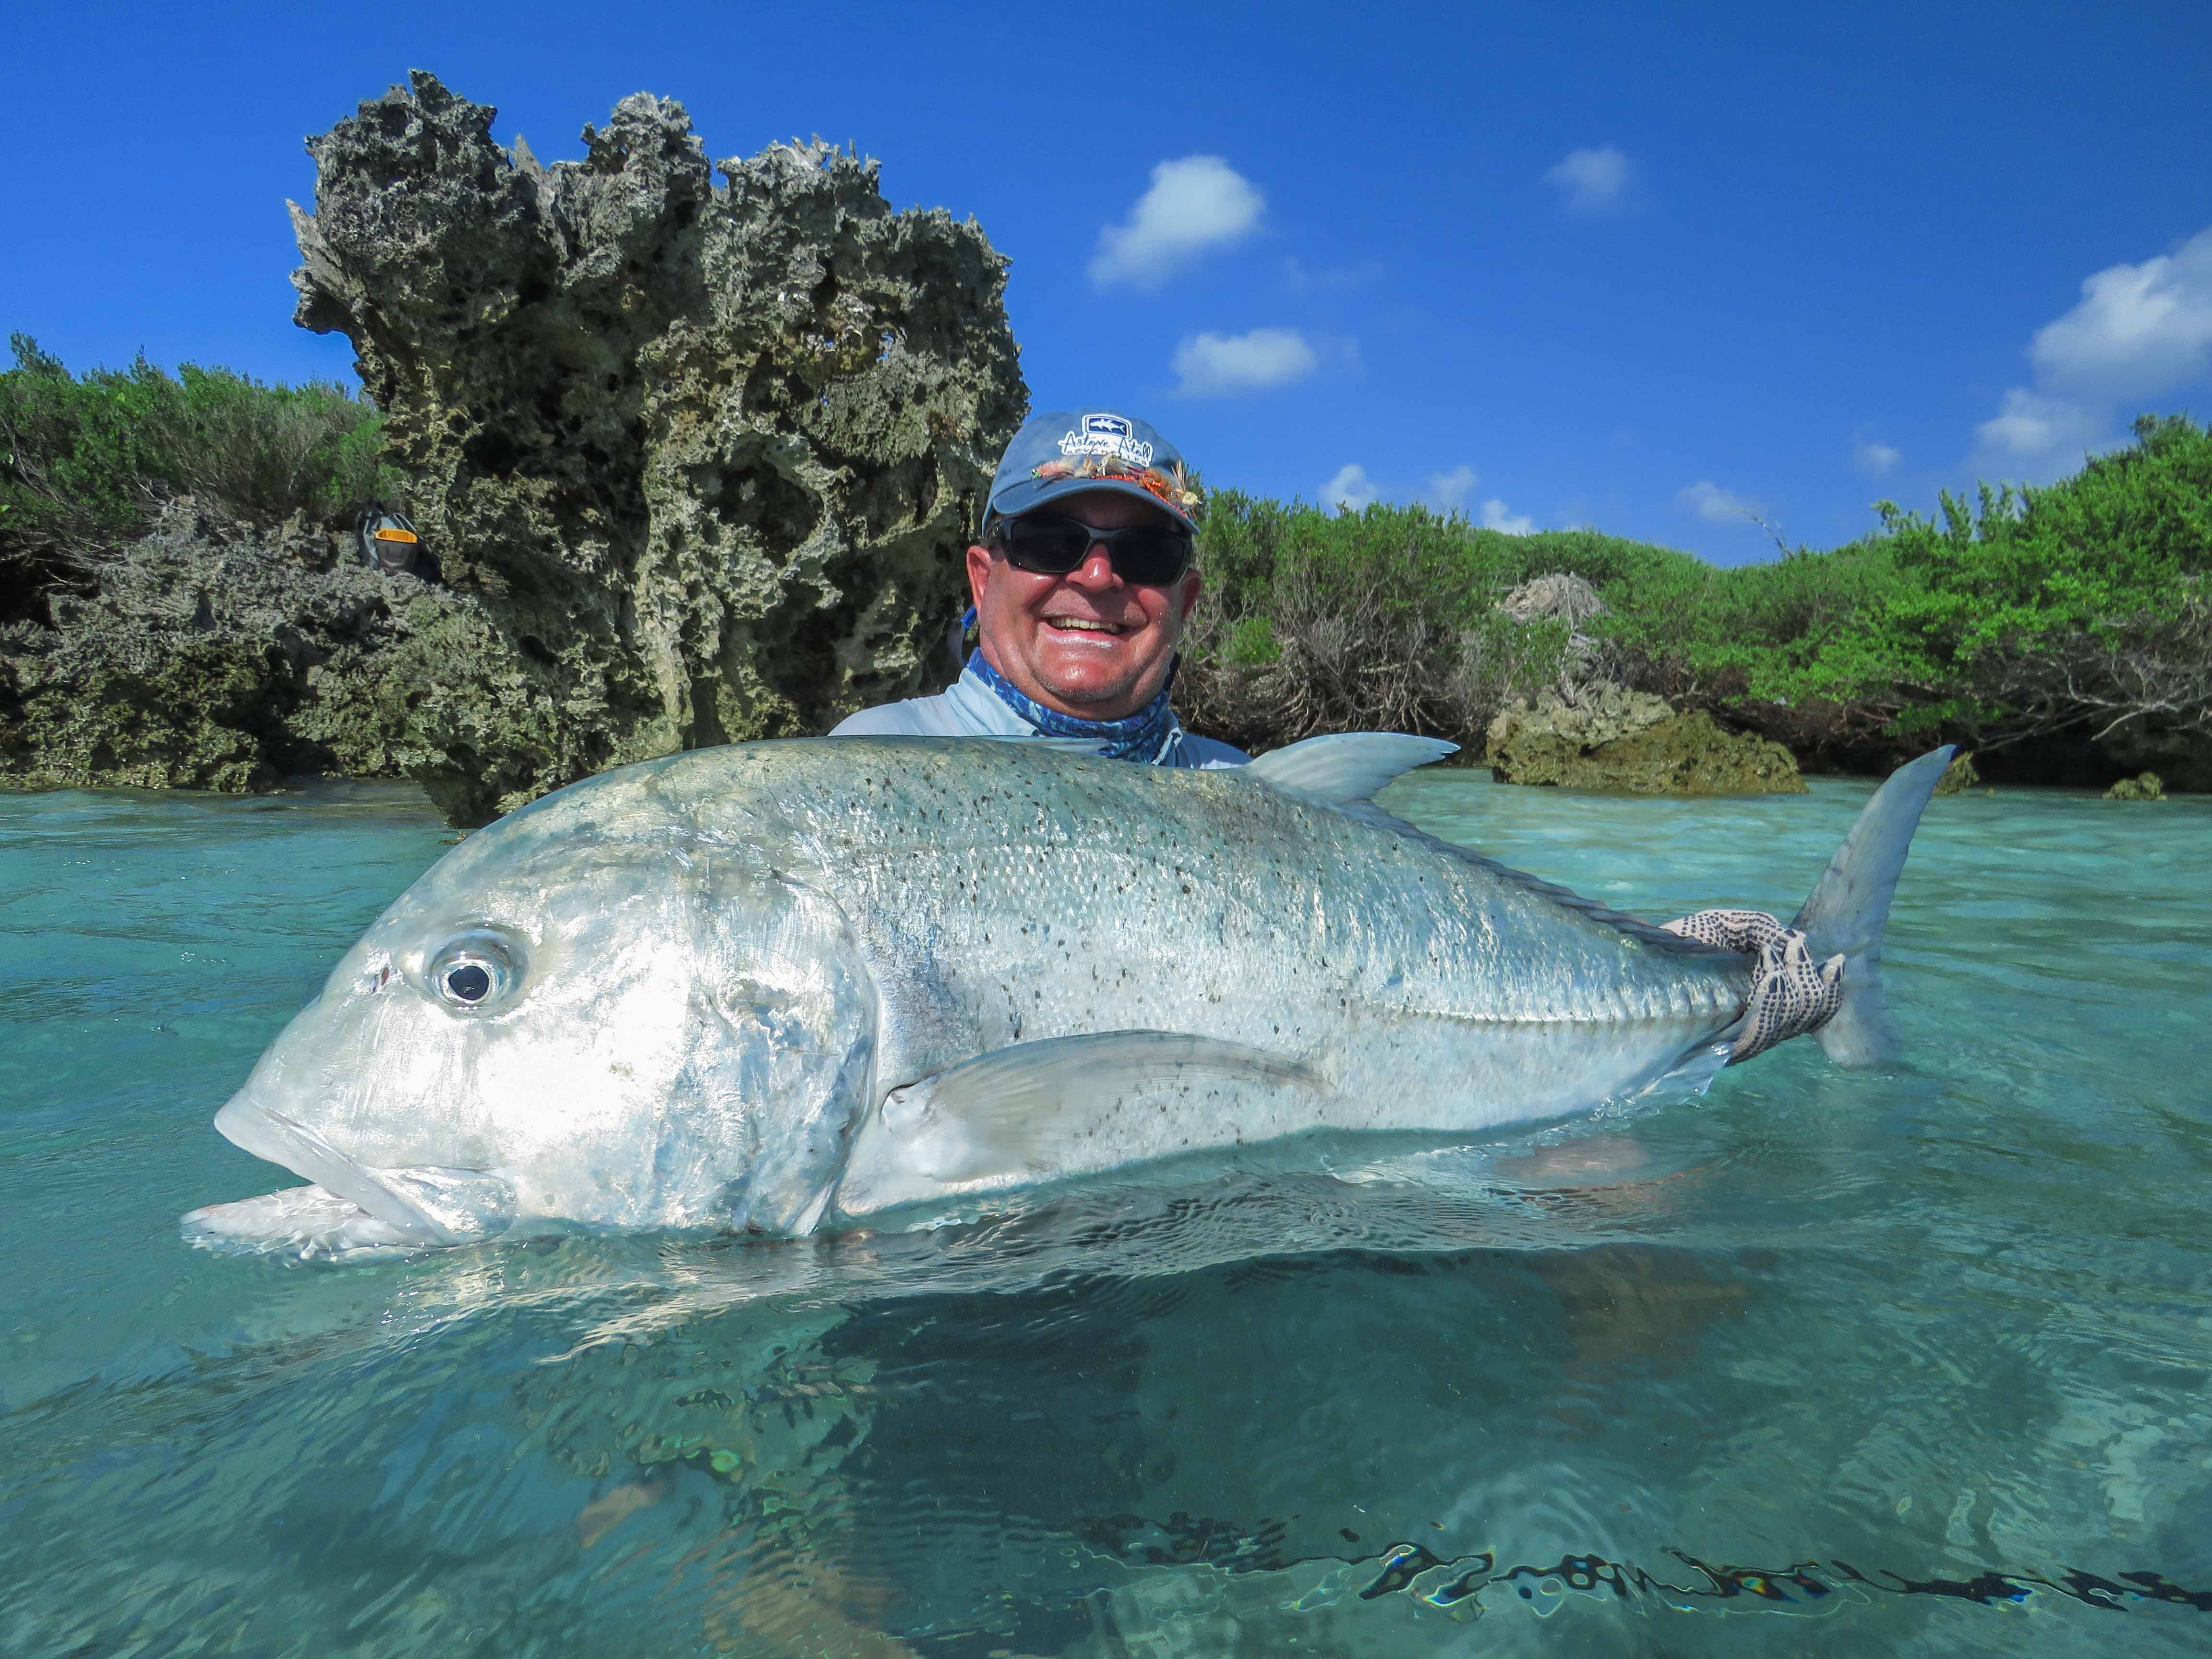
(1920, 1355)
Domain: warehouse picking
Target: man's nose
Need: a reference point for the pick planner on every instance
(1096, 570)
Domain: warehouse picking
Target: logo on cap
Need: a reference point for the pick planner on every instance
(1110, 435)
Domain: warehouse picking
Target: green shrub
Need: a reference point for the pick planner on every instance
(2077, 607)
(1383, 619)
(1251, 643)
(85, 459)
(2083, 603)
(2045, 609)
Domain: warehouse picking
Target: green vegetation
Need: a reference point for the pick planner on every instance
(85, 459)
(1384, 619)
(2069, 611)
(2027, 616)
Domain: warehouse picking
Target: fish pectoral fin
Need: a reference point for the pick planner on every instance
(1345, 768)
(1066, 1105)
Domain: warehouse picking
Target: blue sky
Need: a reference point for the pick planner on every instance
(1651, 269)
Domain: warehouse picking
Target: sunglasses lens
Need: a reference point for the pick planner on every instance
(1049, 547)
(1052, 547)
(1150, 558)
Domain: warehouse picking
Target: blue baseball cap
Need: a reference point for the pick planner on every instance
(1068, 451)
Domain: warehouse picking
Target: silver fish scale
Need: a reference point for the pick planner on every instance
(1006, 894)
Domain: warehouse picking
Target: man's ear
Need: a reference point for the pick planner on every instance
(1192, 582)
(979, 573)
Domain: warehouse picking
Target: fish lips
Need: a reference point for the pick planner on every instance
(425, 1205)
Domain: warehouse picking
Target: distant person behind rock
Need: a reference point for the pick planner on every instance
(1083, 578)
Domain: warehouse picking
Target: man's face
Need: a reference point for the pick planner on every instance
(1087, 643)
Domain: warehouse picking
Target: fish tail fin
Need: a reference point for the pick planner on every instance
(1849, 905)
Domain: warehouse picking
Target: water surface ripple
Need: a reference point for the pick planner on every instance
(1921, 1355)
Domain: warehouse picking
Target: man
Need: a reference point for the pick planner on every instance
(1082, 579)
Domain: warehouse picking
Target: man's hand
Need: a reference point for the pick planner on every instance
(1790, 994)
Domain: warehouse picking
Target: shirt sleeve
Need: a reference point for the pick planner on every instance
(1210, 754)
(887, 720)
(917, 717)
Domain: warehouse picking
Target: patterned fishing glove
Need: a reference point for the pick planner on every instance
(1790, 994)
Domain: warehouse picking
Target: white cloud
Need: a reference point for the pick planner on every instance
(1712, 503)
(1495, 517)
(2139, 330)
(2031, 427)
(1875, 460)
(1351, 487)
(1195, 204)
(1451, 488)
(1221, 365)
(1593, 183)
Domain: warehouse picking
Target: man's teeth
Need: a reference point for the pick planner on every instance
(1085, 623)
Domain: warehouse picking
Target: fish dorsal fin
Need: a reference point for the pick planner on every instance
(1063, 1106)
(1345, 768)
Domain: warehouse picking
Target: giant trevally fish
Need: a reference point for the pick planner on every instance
(785, 986)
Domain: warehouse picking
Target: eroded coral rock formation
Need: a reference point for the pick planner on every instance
(697, 460)
(1613, 738)
(1560, 597)
(213, 654)
(702, 455)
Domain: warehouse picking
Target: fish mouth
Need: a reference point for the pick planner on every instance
(422, 1207)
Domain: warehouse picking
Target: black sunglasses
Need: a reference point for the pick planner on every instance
(1147, 555)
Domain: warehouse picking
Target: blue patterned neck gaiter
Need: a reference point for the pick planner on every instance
(1143, 736)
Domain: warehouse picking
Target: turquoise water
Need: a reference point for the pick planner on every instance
(1909, 1362)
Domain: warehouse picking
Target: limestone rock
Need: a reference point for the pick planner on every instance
(2147, 786)
(1587, 665)
(213, 656)
(2182, 758)
(1559, 596)
(698, 460)
(1614, 738)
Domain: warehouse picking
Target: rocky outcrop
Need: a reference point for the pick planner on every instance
(215, 655)
(696, 461)
(1588, 730)
(1560, 597)
(702, 456)
(2181, 758)
(1607, 737)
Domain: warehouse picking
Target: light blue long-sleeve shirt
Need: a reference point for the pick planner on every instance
(970, 709)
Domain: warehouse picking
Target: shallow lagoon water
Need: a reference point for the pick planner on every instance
(1909, 1362)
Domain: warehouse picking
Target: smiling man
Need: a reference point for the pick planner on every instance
(1082, 581)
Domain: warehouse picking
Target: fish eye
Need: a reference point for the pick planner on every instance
(468, 981)
(477, 970)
